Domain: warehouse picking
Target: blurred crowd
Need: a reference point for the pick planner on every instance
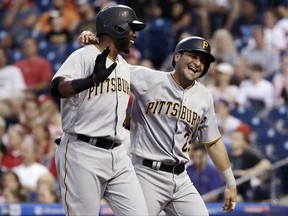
(249, 83)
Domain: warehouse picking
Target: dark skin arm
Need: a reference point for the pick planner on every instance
(65, 88)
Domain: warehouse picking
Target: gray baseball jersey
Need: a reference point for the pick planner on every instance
(86, 172)
(169, 116)
(81, 114)
(165, 120)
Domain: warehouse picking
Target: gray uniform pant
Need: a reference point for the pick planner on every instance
(88, 173)
(172, 193)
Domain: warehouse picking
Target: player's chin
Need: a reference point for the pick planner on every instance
(127, 49)
(193, 75)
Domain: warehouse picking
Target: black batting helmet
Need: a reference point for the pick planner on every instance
(117, 21)
(199, 44)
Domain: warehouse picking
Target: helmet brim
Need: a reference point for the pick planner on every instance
(137, 25)
(210, 57)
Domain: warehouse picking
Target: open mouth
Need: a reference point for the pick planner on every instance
(192, 69)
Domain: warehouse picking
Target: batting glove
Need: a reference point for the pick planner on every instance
(100, 72)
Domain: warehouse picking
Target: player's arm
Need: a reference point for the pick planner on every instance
(66, 88)
(218, 153)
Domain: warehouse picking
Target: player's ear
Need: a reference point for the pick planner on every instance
(177, 57)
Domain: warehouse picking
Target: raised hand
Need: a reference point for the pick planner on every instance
(100, 72)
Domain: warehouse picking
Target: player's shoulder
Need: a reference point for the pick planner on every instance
(87, 49)
(201, 86)
(139, 68)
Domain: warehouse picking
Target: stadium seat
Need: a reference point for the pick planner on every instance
(243, 113)
(278, 113)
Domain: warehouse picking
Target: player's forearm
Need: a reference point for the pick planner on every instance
(68, 88)
(218, 155)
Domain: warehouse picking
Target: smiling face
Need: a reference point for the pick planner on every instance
(188, 67)
(124, 45)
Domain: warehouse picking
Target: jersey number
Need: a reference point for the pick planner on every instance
(186, 146)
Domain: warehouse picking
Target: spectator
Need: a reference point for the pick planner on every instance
(157, 39)
(226, 121)
(213, 15)
(257, 51)
(248, 18)
(50, 115)
(240, 72)
(11, 80)
(30, 114)
(58, 36)
(201, 172)
(88, 14)
(284, 92)
(13, 191)
(30, 170)
(247, 160)
(41, 136)
(70, 17)
(279, 78)
(274, 35)
(15, 137)
(256, 92)
(19, 19)
(3, 169)
(282, 23)
(222, 89)
(14, 196)
(47, 195)
(15, 105)
(181, 14)
(47, 189)
(2, 130)
(223, 47)
(36, 70)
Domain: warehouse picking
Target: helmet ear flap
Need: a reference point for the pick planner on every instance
(206, 67)
(121, 30)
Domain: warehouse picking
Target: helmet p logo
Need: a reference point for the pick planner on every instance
(205, 44)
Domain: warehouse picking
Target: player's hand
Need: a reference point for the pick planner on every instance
(230, 197)
(100, 72)
(87, 37)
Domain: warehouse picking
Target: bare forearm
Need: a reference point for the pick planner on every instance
(218, 155)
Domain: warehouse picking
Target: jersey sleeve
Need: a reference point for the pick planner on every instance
(208, 131)
(76, 66)
(141, 78)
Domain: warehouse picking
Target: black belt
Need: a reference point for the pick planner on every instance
(175, 169)
(99, 141)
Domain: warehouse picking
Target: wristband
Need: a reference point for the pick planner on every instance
(229, 177)
(80, 85)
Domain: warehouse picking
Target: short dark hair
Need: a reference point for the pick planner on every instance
(256, 67)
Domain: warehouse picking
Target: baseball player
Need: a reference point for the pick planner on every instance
(91, 162)
(170, 112)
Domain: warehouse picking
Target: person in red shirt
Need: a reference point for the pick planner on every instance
(36, 70)
(15, 137)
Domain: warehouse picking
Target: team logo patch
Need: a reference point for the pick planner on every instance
(205, 44)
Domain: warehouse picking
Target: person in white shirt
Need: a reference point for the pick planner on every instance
(11, 80)
(256, 92)
(30, 170)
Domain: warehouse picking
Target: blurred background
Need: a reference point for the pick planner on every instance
(249, 83)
